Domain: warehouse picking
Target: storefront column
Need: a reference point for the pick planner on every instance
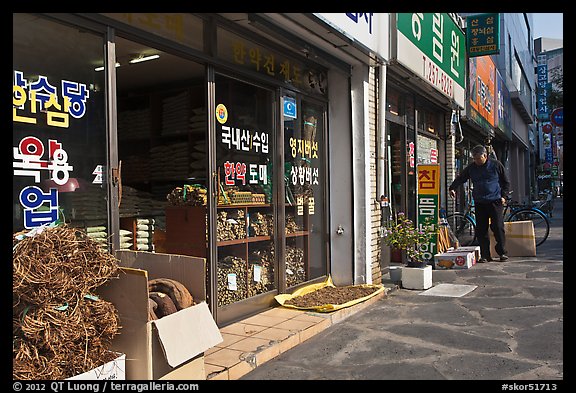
(361, 173)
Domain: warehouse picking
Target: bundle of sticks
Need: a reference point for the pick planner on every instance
(446, 239)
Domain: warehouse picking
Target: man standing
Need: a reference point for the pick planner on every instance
(491, 188)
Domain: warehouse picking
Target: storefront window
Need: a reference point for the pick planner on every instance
(245, 212)
(304, 199)
(427, 150)
(393, 102)
(162, 130)
(396, 163)
(428, 121)
(59, 129)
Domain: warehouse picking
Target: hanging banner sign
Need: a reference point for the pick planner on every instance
(428, 203)
(483, 34)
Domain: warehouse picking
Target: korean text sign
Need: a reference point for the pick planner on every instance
(482, 87)
(483, 34)
(41, 104)
(434, 47)
(428, 203)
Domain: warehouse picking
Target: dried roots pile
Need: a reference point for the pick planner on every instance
(331, 295)
(59, 327)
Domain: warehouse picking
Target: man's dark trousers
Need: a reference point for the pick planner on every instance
(493, 211)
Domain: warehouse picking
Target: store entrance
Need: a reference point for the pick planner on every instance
(401, 153)
(403, 169)
(245, 262)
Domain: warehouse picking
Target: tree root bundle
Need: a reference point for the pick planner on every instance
(59, 263)
(60, 329)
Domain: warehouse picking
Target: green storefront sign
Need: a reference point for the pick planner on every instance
(438, 37)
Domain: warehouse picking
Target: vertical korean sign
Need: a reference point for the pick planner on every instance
(483, 34)
(482, 90)
(428, 206)
(542, 88)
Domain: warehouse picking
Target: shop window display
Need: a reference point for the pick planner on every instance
(245, 171)
(59, 130)
(304, 194)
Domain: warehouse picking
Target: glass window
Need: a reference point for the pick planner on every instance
(393, 102)
(245, 173)
(427, 150)
(59, 128)
(162, 131)
(304, 200)
(427, 121)
(397, 160)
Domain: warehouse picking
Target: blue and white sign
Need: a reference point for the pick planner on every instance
(542, 90)
(289, 107)
(368, 30)
(557, 117)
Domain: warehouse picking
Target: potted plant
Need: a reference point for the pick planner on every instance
(402, 234)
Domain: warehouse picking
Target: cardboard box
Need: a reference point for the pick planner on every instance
(454, 260)
(520, 239)
(474, 249)
(113, 370)
(191, 370)
(156, 349)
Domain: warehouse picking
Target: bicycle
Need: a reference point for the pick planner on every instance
(463, 224)
(545, 203)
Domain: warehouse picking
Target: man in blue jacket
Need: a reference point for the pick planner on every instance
(491, 188)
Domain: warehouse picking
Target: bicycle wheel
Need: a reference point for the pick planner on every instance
(540, 221)
(463, 228)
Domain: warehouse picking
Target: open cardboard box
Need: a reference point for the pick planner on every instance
(520, 239)
(171, 347)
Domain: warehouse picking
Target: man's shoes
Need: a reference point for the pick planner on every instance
(484, 260)
(503, 258)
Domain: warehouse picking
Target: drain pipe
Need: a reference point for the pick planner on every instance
(381, 137)
(383, 174)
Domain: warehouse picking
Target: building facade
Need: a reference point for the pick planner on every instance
(275, 146)
(239, 138)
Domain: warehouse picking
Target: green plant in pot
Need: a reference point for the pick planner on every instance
(402, 234)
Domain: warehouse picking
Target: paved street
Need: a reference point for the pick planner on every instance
(509, 328)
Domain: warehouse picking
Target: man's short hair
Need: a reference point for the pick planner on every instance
(479, 150)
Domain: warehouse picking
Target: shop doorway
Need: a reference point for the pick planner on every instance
(403, 169)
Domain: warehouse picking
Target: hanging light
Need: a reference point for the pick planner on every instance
(102, 68)
(143, 58)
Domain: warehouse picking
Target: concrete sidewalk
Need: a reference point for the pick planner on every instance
(508, 327)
